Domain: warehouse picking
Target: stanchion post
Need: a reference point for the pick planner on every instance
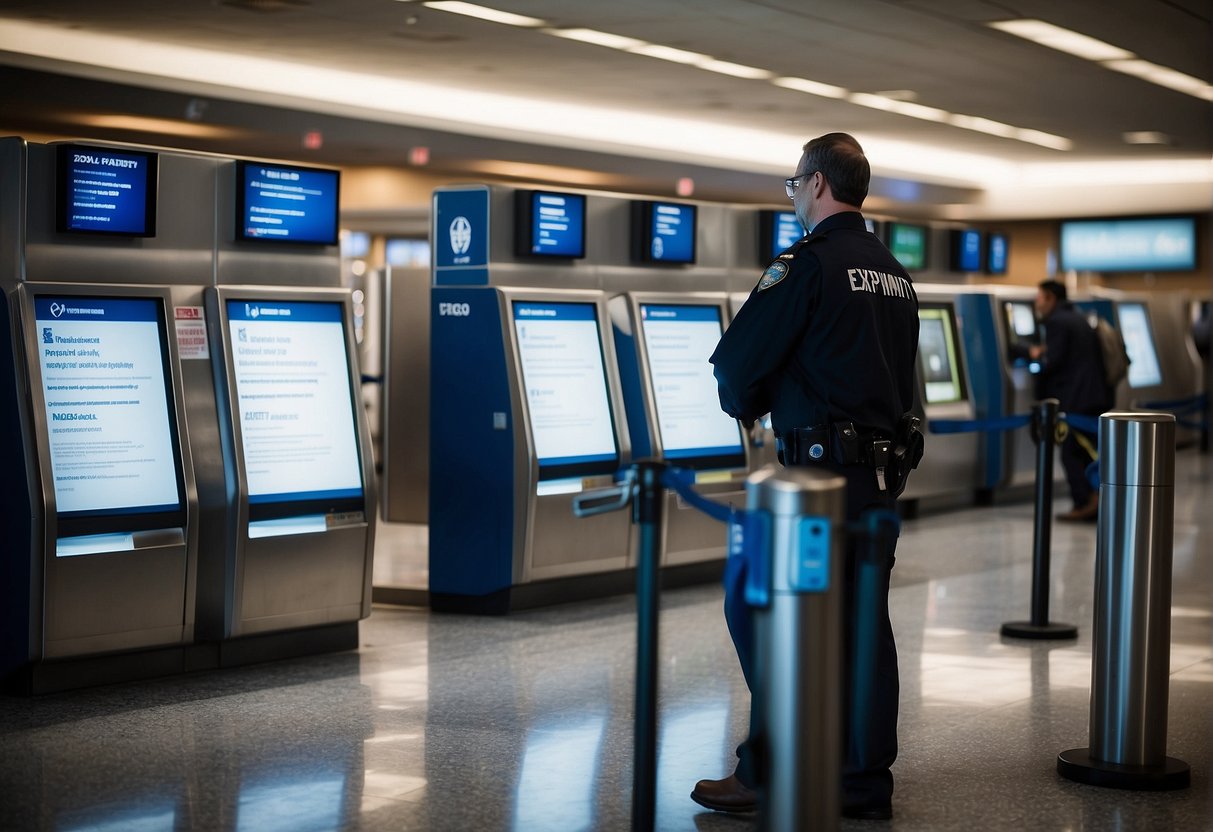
(648, 503)
(798, 655)
(1131, 638)
(1039, 627)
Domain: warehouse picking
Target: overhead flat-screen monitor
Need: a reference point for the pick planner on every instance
(996, 253)
(110, 414)
(286, 204)
(549, 224)
(295, 406)
(564, 375)
(1135, 329)
(679, 340)
(777, 232)
(663, 232)
(106, 191)
(908, 243)
(938, 358)
(1148, 244)
(964, 254)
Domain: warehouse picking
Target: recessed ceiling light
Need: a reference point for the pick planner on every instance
(669, 53)
(1064, 40)
(736, 70)
(983, 125)
(1145, 137)
(905, 108)
(484, 13)
(1164, 77)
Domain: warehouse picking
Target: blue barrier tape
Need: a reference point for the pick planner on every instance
(1188, 405)
(680, 480)
(974, 425)
(1087, 424)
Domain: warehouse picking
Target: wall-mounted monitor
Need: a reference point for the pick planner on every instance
(106, 191)
(1147, 244)
(286, 204)
(295, 407)
(564, 376)
(355, 244)
(938, 357)
(679, 339)
(663, 232)
(110, 414)
(908, 243)
(549, 224)
(997, 252)
(964, 250)
(405, 252)
(1138, 335)
(777, 232)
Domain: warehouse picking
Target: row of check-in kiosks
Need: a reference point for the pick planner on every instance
(188, 481)
(540, 394)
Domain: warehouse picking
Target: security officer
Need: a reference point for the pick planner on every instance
(826, 343)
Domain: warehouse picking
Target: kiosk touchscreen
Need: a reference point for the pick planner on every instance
(119, 536)
(664, 342)
(294, 435)
(1144, 369)
(938, 359)
(1021, 329)
(525, 415)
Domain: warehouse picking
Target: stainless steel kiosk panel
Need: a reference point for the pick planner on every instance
(525, 414)
(664, 342)
(116, 545)
(951, 463)
(297, 449)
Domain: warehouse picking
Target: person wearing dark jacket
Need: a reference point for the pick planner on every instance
(1071, 371)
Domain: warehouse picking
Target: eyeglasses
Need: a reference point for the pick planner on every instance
(792, 185)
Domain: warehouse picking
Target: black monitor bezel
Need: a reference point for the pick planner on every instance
(524, 224)
(108, 520)
(62, 190)
(241, 172)
(642, 212)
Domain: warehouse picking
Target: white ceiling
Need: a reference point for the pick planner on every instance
(378, 77)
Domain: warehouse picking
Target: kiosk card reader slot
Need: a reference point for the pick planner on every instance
(116, 547)
(663, 342)
(525, 414)
(297, 451)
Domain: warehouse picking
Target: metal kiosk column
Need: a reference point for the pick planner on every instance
(1131, 640)
(797, 658)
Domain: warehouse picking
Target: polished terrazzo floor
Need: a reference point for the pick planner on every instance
(443, 722)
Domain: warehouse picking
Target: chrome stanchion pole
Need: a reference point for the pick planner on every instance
(798, 638)
(1131, 638)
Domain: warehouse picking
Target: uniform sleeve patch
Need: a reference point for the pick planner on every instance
(775, 272)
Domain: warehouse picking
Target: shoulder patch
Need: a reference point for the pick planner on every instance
(775, 272)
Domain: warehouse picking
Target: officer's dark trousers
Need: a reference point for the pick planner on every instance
(869, 684)
(1075, 459)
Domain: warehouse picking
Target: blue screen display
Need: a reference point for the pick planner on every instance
(557, 225)
(671, 233)
(786, 230)
(107, 191)
(1148, 244)
(966, 250)
(286, 204)
(996, 254)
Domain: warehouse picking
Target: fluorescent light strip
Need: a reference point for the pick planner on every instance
(1105, 54)
(669, 53)
(485, 13)
(811, 87)
(905, 108)
(597, 38)
(736, 70)
(1063, 40)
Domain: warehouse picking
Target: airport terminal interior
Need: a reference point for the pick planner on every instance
(331, 332)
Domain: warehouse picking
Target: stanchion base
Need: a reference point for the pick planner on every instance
(1050, 630)
(1078, 765)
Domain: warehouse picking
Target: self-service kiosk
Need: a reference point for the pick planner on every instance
(525, 414)
(296, 446)
(663, 342)
(950, 465)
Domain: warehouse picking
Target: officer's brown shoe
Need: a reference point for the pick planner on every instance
(1086, 514)
(727, 795)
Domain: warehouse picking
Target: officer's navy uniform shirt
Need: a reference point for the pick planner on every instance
(831, 335)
